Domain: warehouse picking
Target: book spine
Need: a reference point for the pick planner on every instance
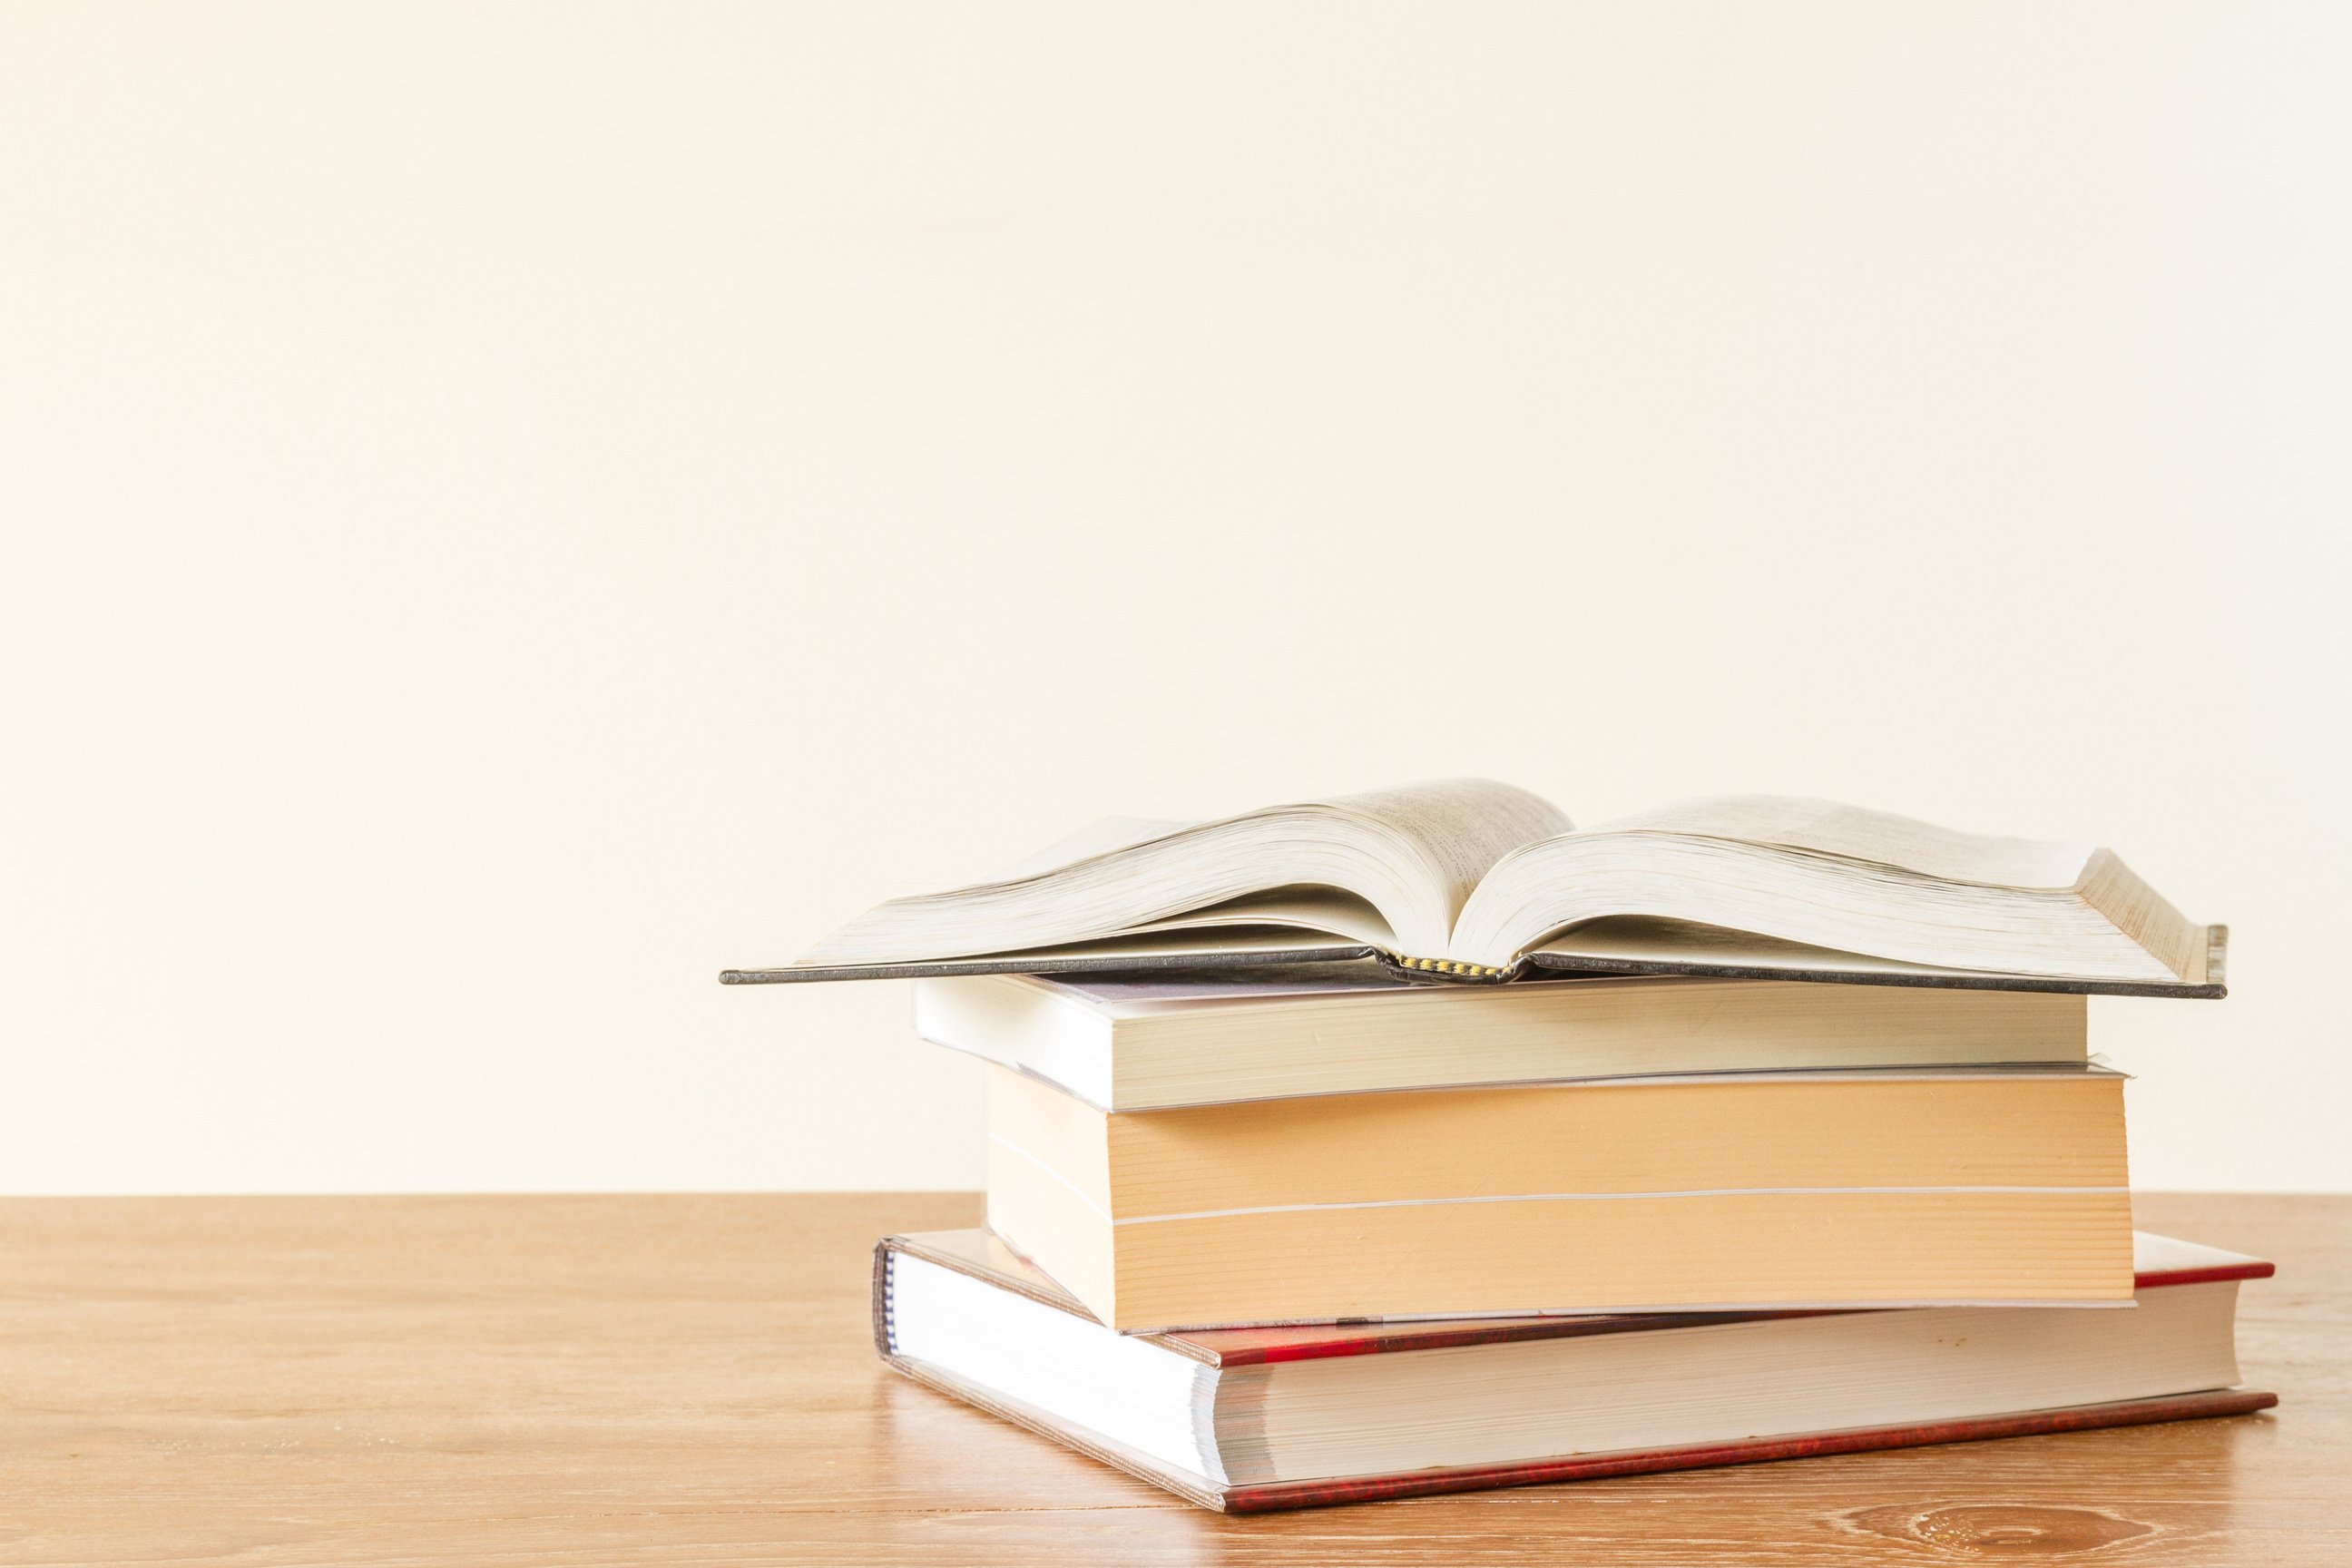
(882, 1251)
(1445, 969)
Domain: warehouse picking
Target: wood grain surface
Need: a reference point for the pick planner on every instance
(690, 1380)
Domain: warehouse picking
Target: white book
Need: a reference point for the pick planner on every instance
(1143, 1043)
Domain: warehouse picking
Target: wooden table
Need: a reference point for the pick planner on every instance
(502, 1381)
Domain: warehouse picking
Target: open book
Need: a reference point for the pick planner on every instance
(1466, 880)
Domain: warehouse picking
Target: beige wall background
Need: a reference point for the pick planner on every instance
(512, 508)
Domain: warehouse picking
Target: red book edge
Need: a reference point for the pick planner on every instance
(1324, 1493)
(2253, 1268)
(2078, 1418)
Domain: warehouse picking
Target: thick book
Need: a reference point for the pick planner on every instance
(1470, 880)
(1699, 1191)
(1248, 1421)
(1152, 1042)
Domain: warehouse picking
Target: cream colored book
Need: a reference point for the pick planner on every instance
(1466, 880)
(1144, 1043)
(1795, 1190)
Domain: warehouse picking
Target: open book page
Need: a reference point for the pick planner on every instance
(1463, 827)
(1842, 879)
(1828, 828)
(1391, 866)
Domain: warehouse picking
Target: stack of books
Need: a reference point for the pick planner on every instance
(1418, 1141)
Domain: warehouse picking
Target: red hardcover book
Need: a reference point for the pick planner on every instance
(1252, 1420)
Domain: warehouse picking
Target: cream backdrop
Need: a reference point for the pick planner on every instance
(512, 508)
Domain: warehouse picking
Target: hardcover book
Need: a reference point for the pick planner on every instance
(1251, 1420)
(1470, 880)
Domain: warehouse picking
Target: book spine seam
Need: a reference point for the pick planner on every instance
(883, 1344)
(1450, 968)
